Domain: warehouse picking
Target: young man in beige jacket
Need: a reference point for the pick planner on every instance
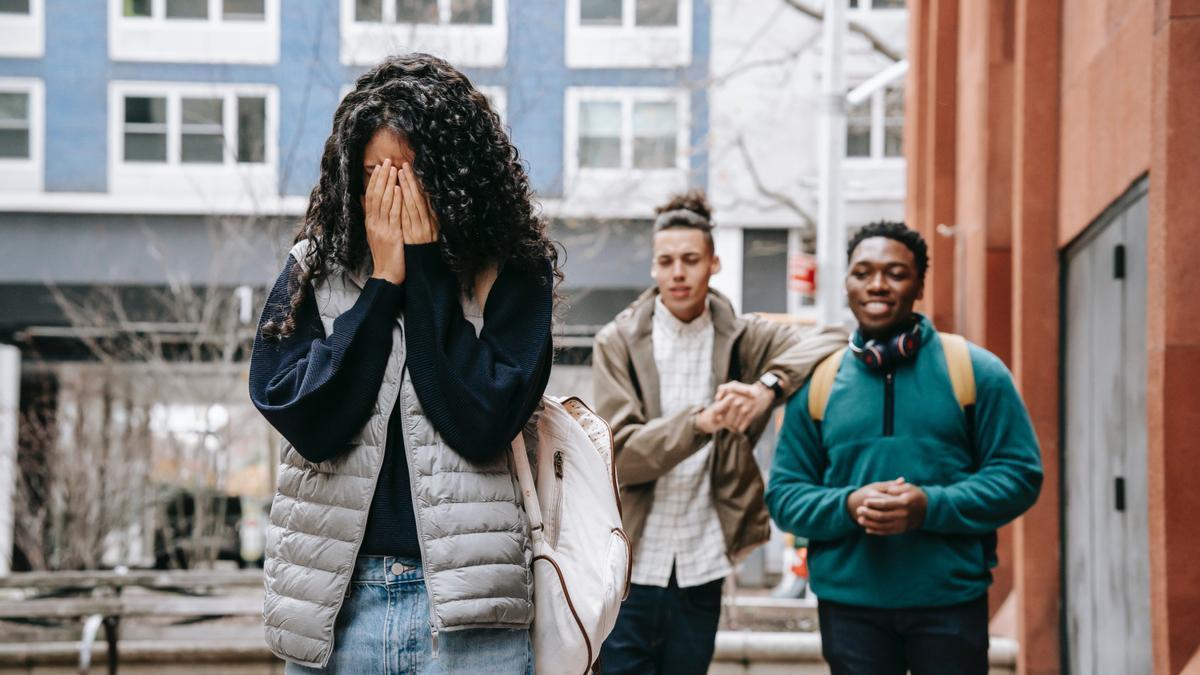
(687, 385)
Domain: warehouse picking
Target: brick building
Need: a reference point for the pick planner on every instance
(1053, 162)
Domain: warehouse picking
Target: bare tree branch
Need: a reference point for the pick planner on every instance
(774, 195)
(877, 42)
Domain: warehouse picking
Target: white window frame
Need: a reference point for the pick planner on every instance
(221, 184)
(26, 174)
(212, 40)
(24, 35)
(866, 7)
(591, 189)
(878, 133)
(365, 43)
(629, 45)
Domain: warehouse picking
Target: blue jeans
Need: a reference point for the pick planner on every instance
(926, 641)
(664, 630)
(384, 628)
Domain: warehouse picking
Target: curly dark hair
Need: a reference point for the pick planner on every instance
(911, 239)
(694, 201)
(478, 187)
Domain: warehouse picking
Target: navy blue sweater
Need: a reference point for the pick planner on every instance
(317, 390)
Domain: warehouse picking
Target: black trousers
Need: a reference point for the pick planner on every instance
(926, 641)
(672, 631)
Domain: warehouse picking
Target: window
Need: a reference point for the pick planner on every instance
(657, 13)
(194, 31)
(186, 129)
(252, 129)
(21, 125)
(145, 129)
(877, 4)
(613, 12)
(433, 12)
(858, 130)
(464, 32)
(244, 10)
(227, 10)
(22, 29)
(600, 12)
(202, 131)
(875, 127)
(654, 125)
(187, 9)
(629, 33)
(893, 122)
(15, 125)
(600, 134)
(627, 129)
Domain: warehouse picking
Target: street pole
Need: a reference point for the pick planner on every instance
(831, 144)
(10, 387)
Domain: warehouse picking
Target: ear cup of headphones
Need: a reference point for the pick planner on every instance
(898, 348)
(905, 344)
(873, 355)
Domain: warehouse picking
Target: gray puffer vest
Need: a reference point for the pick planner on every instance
(472, 529)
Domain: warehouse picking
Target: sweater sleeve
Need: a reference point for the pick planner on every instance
(797, 499)
(1010, 471)
(317, 390)
(477, 390)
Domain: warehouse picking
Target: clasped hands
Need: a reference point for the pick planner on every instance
(397, 212)
(735, 407)
(887, 508)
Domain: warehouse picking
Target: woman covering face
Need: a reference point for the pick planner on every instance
(403, 347)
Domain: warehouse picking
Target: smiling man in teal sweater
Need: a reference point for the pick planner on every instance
(899, 488)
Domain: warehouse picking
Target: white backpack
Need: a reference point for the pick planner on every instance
(582, 560)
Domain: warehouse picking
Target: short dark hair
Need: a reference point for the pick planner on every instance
(911, 239)
(687, 209)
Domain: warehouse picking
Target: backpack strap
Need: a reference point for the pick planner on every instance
(821, 384)
(958, 363)
(533, 507)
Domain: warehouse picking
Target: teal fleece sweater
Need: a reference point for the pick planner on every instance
(971, 491)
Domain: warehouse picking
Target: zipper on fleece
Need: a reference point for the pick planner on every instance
(889, 403)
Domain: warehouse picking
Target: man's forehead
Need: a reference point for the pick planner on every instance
(679, 241)
(882, 251)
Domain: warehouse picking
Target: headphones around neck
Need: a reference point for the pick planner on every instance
(884, 355)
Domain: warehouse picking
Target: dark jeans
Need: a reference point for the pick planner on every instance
(664, 630)
(926, 641)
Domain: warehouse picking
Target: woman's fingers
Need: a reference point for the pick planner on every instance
(427, 219)
(369, 205)
(386, 194)
(395, 210)
(412, 216)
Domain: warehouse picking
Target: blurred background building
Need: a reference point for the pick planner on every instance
(156, 156)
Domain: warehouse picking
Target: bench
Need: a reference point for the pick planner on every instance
(97, 599)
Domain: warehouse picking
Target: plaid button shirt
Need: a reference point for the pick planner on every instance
(682, 530)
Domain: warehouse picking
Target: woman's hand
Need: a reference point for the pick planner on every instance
(383, 204)
(419, 224)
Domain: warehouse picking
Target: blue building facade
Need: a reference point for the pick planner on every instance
(129, 127)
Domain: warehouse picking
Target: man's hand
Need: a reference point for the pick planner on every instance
(898, 508)
(856, 500)
(714, 417)
(748, 402)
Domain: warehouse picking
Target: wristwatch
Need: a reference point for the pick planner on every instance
(771, 381)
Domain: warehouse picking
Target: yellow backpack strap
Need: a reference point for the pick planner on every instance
(821, 384)
(958, 362)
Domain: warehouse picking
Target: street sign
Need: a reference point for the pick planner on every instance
(802, 273)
